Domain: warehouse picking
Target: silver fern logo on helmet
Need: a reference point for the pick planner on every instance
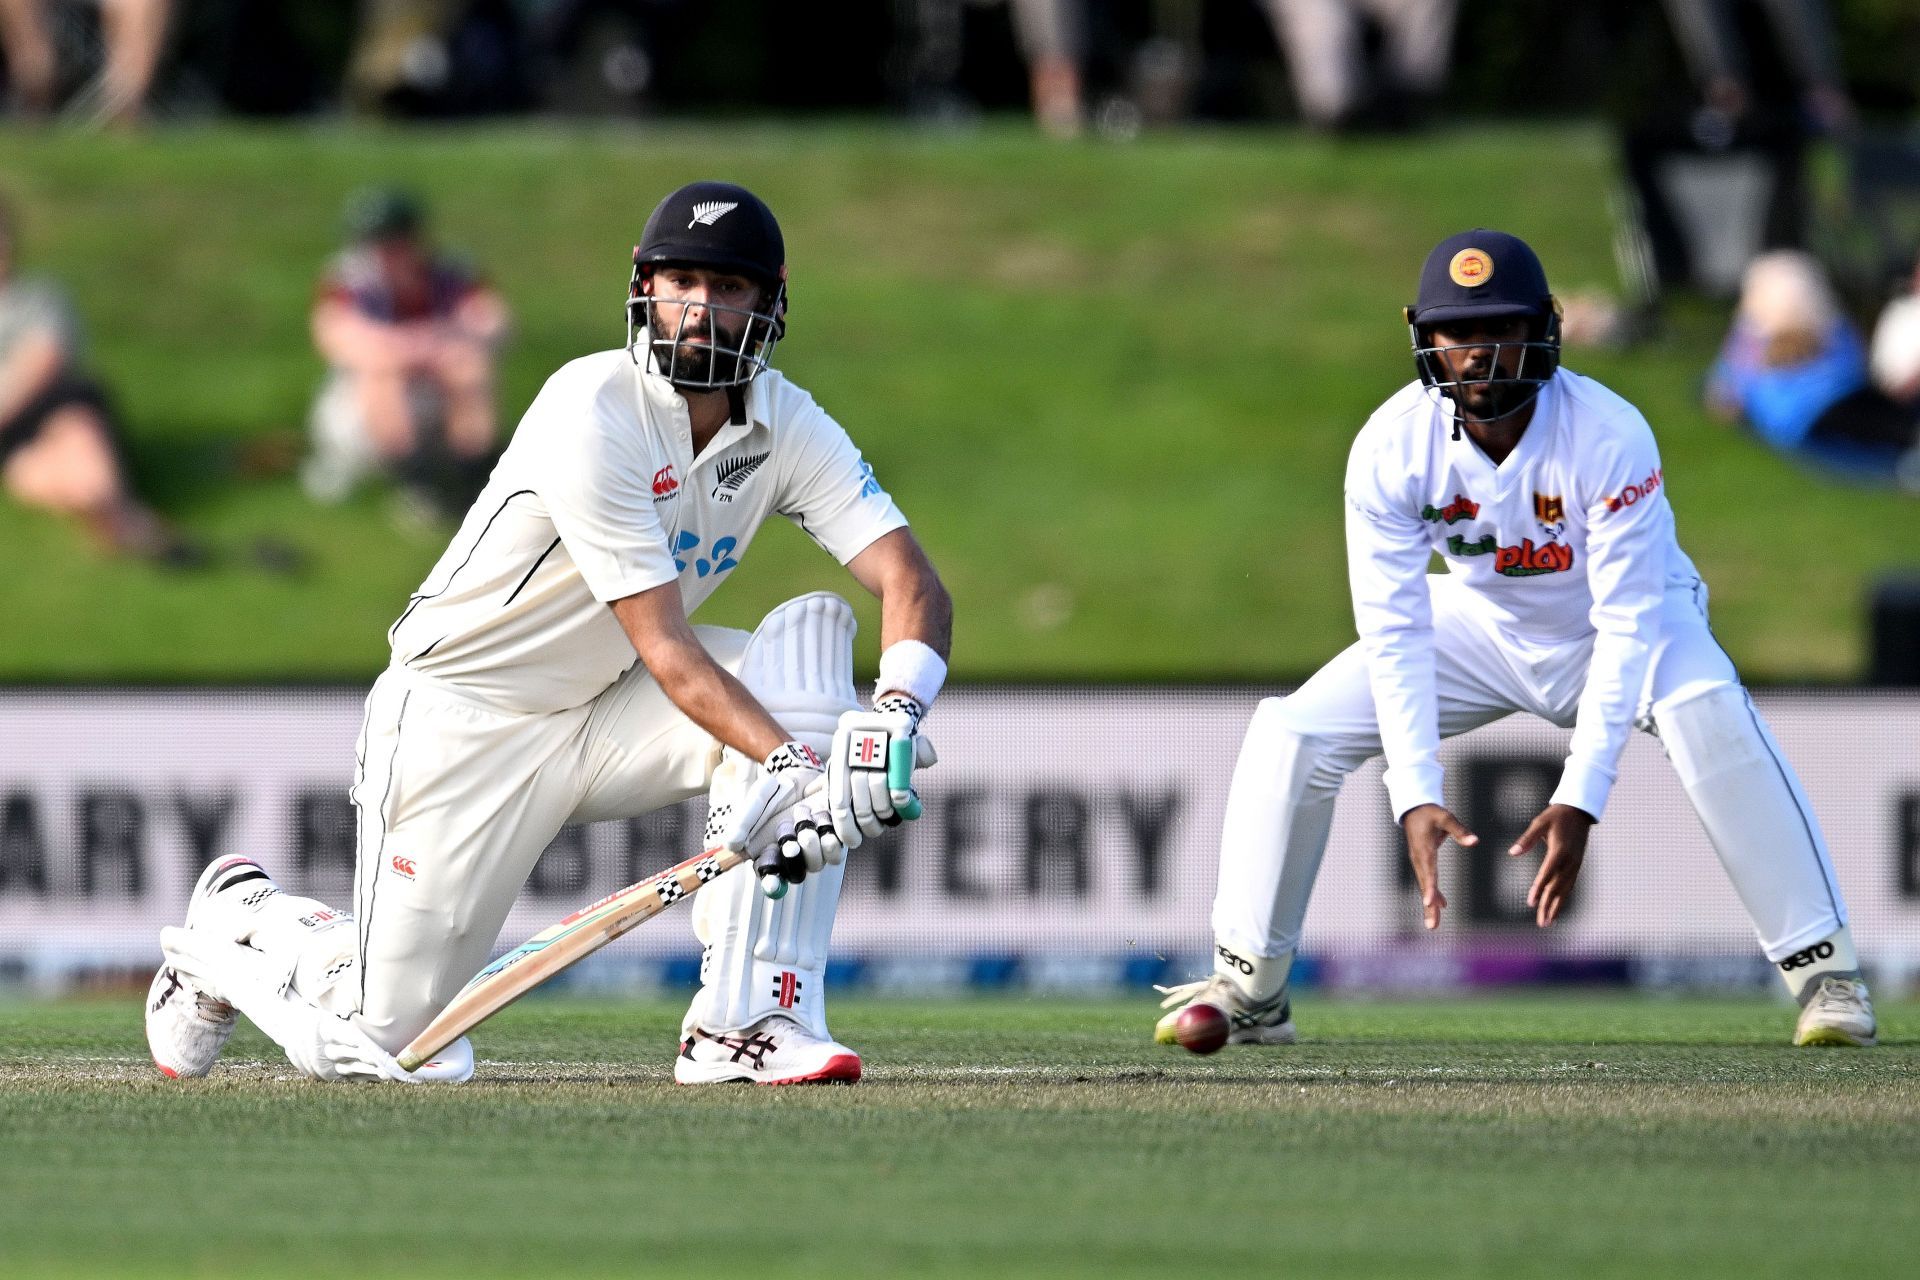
(709, 212)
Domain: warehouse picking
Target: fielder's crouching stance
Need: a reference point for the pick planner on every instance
(1567, 596)
(513, 704)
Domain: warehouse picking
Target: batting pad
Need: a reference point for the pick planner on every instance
(763, 956)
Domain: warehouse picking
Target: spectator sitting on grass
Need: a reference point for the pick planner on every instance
(59, 442)
(1794, 370)
(411, 335)
(1895, 361)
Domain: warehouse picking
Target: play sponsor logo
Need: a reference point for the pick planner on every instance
(1635, 492)
(403, 867)
(665, 483)
(1461, 508)
(1527, 560)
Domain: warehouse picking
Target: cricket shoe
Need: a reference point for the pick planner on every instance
(774, 1050)
(1266, 1022)
(1838, 1013)
(187, 1027)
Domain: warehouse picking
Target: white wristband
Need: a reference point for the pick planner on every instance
(913, 668)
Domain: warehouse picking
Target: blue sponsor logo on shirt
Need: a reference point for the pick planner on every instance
(721, 553)
(868, 485)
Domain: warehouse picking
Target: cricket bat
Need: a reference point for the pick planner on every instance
(579, 935)
(563, 944)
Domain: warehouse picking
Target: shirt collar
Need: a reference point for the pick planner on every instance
(662, 398)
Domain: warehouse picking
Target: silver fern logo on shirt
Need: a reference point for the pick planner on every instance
(732, 474)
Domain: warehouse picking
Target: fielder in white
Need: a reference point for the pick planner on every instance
(514, 704)
(1566, 596)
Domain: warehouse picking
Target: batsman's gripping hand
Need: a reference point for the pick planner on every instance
(782, 820)
(870, 769)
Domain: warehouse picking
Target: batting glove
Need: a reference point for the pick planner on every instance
(782, 818)
(870, 769)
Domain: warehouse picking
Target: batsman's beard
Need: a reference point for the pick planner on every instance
(713, 362)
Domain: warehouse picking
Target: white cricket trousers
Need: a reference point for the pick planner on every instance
(1298, 749)
(457, 800)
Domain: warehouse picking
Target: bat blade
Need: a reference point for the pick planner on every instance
(561, 945)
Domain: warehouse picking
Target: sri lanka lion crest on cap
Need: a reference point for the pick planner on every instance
(1470, 267)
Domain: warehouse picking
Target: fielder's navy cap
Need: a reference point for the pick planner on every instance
(716, 225)
(1480, 274)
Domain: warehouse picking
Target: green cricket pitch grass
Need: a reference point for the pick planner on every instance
(1514, 1135)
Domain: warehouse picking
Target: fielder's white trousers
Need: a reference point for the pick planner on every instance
(458, 799)
(1298, 749)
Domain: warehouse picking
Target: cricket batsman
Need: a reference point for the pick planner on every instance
(1566, 595)
(545, 673)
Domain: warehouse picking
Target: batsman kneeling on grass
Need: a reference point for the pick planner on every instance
(513, 705)
(1566, 595)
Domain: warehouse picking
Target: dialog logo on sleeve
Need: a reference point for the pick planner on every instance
(1635, 492)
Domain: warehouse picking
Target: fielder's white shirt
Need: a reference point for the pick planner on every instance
(1569, 540)
(600, 496)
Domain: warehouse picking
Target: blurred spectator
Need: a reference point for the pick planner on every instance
(132, 32)
(1720, 42)
(59, 443)
(1795, 371)
(1325, 46)
(1724, 177)
(440, 57)
(1052, 35)
(1895, 359)
(598, 56)
(411, 335)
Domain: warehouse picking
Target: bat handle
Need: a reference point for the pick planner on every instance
(900, 778)
(766, 868)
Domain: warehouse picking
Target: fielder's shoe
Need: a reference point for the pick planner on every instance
(1838, 1013)
(186, 1027)
(774, 1050)
(1270, 1022)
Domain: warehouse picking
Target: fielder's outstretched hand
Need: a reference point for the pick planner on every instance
(1565, 829)
(870, 770)
(1427, 827)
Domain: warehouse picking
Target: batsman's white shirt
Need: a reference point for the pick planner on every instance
(600, 496)
(1570, 539)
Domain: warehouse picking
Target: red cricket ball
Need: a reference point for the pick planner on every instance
(1202, 1028)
